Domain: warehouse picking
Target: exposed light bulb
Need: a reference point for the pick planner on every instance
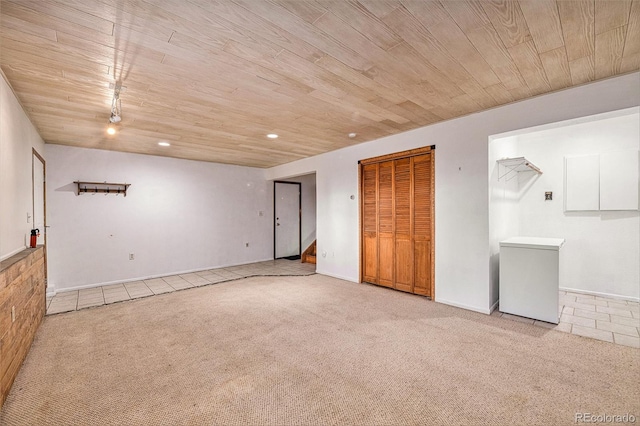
(272, 136)
(111, 130)
(164, 143)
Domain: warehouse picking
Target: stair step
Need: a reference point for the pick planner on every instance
(310, 259)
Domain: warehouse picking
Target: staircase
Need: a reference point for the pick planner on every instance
(309, 255)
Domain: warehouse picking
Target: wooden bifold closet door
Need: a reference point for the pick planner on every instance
(397, 221)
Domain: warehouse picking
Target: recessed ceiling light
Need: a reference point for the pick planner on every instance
(352, 135)
(111, 130)
(272, 136)
(164, 143)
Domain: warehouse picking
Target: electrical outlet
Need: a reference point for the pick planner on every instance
(13, 314)
(131, 256)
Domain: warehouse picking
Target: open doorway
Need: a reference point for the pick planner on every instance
(602, 244)
(287, 224)
(307, 214)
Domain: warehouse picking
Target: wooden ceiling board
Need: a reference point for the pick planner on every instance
(582, 70)
(608, 53)
(556, 67)
(632, 38)
(469, 15)
(508, 20)
(214, 77)
(362, 20)
(456, 42)
(611, 14)
(418, 37)
(578, 26)
(486, 40)
(544, 23)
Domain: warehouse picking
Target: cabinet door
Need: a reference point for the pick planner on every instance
(422, 224)
(402, 218)
(619, 180)
(582, 183)
(370, 223)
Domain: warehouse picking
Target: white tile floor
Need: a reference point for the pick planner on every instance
(105, 295)
(612, 320)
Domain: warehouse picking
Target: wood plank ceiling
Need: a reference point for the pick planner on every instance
(214, 77)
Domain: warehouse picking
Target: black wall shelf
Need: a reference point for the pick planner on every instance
(102, 188)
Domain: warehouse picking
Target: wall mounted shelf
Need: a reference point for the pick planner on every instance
(517, 165)
(102, 188)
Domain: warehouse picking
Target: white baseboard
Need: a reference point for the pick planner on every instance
(463, 306)
(601, 294)
(149, 277)
(51, 290)
(494, 306)
(340, 277)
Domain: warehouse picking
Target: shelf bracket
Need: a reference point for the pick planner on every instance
(516, 165)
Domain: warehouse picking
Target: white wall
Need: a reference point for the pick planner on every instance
(462, 192)
(504, 194)
(178, 216)
(308, 207)
(602, 250)
(17, 139)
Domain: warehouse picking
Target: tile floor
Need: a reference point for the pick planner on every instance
(612, 320)
(105, 295)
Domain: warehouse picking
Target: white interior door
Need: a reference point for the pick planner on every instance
(287, 219)
(38, 197)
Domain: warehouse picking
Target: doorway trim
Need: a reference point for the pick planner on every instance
(275, 198)
(35, 156)
(395, 156)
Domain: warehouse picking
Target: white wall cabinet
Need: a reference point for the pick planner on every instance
(619, 180)
(608, 181)
(582, 183)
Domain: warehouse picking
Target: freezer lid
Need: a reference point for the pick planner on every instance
(533, 243)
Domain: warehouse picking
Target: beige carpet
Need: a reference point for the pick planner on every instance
(311, 350)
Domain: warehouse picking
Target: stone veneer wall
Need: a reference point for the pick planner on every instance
(22, 287)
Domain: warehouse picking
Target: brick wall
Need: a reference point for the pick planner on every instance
(22, 287)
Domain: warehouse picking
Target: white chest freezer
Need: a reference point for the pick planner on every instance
(529, 277)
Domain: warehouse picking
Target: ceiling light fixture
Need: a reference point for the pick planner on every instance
(352, 135)
(116, 109)
(163, 143)
(272, 136)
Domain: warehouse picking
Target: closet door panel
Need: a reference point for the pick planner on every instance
(370, 223)
(402, 218)
(422, 224)
(422, 263)
(370, 249)
(386, 261)
(385, 223)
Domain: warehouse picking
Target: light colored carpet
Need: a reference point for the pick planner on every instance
(311, 350)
